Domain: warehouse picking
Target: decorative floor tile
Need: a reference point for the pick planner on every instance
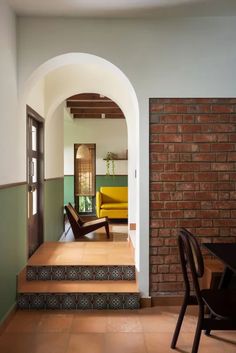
(73, 273)
(116, 273)
(129, 273)
(116, 301)
(58, 273)
(80, 301)
(37, 301)
(44, 273)
(84, 301)
(53, 301)
(32, 273)
(87, 273)
(101, 273)
(68, 301)
(100, 301)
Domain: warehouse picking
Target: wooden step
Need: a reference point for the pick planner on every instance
(77, 295)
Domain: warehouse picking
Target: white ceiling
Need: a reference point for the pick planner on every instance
(123, 8)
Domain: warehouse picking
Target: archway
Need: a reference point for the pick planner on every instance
(74, 73)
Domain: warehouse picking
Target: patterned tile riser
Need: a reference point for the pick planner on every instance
(79, 301)
(74, 273)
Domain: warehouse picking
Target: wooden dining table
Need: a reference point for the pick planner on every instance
(226, 253)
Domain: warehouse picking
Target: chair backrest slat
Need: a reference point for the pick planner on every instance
(191, 257)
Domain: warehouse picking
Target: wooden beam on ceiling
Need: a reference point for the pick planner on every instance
(91, 104)
(98, 116)
(96, 110)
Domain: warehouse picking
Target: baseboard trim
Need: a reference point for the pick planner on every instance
(167, 301)
(146, 302)
(7, 318)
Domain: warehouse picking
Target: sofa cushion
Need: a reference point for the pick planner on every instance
(114, 194)
(115, 206)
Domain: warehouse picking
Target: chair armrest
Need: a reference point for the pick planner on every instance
(98, 202)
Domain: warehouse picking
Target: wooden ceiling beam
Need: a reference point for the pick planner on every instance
(98, 116)
(96, 110)
(91, 104)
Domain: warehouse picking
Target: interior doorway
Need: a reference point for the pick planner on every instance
(35, 179)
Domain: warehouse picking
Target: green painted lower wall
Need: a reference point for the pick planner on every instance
(13, 249)
(53, 209)
(101, 180)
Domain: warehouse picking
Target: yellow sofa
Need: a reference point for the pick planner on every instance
(112, 202)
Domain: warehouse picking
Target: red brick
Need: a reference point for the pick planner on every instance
(204, 138)
(155, 108)
(171, 119)
(165, 196)
(189, 128)
(156, 128)
(206, 195)
(171, 176)
(222, 166)
(232, 157)
(156, 147)
(170, 128)
(222, 108)
(190, 205)
(208, 176)
(220, 147)
(170, 138)
(207, 157)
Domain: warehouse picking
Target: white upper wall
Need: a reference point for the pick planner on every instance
(109, 136)
(10, 146)
(36, 98)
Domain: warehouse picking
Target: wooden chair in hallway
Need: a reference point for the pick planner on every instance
(81, 228)
(221, 304)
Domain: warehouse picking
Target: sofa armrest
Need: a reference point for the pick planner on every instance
(98, 203)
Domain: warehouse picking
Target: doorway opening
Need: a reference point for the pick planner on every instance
(35, 179)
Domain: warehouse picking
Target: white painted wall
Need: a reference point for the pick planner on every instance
(10, 142)
(186, 57)
(54, 144)
(108, 135)
(36, 98)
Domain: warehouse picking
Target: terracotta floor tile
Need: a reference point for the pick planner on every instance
(123, 323)
(50, 343)
(89, 323)
(124, 343)
(55, 322)
(158, 342)
(86, 343)
(24, 322)
(16, 343)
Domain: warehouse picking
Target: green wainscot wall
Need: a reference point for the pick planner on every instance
(13, 249)
(53, 209)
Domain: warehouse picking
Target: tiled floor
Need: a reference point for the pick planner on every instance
(83, 253)
(142, 331)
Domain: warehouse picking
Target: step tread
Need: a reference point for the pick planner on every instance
(25, 286)
(83, 253)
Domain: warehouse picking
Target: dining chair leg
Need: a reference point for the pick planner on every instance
(179, 323)
(198, 333)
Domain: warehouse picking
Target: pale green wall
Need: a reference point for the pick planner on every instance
(13, 249)
(53, 209)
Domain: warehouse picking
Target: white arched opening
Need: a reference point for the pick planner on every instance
(74, 73)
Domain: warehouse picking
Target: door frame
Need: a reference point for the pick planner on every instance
(31, 113)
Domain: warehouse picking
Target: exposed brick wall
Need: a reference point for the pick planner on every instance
(192, 180)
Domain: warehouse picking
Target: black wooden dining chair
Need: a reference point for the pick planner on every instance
(221, 304)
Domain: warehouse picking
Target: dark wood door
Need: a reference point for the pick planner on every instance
(35, 181)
